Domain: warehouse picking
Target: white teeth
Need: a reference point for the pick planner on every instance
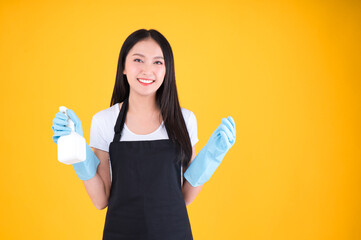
(145, 81)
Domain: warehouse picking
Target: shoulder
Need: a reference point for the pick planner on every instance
(188, 116)
(186, 113)
(191, 124)
(107, 114)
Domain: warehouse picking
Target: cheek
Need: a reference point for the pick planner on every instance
(161, 72)
(132, 67)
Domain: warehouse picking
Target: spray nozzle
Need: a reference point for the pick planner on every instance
(70, 122)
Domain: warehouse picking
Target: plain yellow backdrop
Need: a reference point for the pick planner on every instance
(288, 72)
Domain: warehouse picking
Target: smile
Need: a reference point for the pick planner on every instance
(145, 82)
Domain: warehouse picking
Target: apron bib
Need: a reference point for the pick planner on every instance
(146, 200)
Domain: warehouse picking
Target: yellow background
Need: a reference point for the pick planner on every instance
(288, 72)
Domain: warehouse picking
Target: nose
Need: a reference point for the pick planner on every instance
(147, 68)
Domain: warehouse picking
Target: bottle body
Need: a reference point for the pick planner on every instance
(72, 147)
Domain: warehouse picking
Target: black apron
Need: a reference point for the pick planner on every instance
(146, 200)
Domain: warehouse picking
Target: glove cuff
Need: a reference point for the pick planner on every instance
(201, 169)
(203, 166)
(88, 168)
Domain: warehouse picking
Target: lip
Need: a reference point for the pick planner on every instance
(145, 84)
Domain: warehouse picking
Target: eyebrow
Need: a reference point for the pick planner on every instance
(144, 56)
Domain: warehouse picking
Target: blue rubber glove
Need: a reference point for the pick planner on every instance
(88, 168)
(208, 159)
(59, 126)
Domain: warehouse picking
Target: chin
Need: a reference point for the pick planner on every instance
(144, 93)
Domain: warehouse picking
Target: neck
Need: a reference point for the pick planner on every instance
(142, 105)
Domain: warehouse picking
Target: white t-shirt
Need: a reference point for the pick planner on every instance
(102, 130)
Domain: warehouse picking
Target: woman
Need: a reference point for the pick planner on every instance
(149, 141)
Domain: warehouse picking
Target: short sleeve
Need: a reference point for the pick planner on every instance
(192, 128)
(97, 139)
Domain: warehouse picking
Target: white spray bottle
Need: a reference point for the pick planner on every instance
(72, 147)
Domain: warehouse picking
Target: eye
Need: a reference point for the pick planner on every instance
(159, 62)
(137, 59)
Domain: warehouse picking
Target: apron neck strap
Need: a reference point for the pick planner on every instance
(120, 121)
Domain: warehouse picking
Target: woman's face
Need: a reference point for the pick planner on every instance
(145, 62)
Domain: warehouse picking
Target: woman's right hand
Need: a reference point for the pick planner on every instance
(59, 126)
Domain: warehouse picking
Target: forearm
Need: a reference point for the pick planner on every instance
(96, 190)
(189, 192)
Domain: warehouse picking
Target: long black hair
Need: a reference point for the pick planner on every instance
(166, 96)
